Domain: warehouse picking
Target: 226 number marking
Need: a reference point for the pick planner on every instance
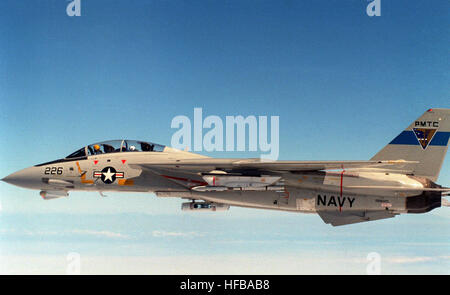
(53, 170)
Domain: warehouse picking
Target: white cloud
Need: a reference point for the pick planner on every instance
(33, 233)
(414, 259)
(183, 264)
(161, 233)
(303, 262)
(103, 233)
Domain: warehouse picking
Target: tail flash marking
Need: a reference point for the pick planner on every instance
(414, 138)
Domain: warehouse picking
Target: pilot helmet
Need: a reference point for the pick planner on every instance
(96, 147)
(132, 148)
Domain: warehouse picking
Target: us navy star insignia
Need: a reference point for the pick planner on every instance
(108, 175)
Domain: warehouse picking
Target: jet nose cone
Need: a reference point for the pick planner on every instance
(27, 178)
(8, 179)
(12, 178)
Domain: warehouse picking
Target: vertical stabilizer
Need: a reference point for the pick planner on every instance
(425, 140)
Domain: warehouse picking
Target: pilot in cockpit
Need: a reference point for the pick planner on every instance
(108, 148)
(146, 147)
(97, 149)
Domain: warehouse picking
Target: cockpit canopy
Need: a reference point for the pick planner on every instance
(116, 146)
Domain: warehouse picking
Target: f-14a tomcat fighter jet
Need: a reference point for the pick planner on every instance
(398, 179)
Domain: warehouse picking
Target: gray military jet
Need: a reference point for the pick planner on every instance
(398, 179)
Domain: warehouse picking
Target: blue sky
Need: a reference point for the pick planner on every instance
(343, 84)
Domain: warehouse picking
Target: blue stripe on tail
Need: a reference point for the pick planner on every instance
(440, 138)
(408, 138)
